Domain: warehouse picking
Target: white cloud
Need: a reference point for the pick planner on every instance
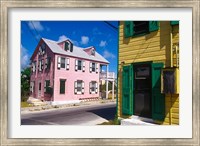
(24, 58)
(64, 37)
(35, 25)
(96, 31)
(102, 43)
(84, 40)
(107, 54)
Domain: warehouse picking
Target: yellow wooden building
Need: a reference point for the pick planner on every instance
(148, 71)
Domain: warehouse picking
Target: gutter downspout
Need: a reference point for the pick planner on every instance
(54, 64)
(171, 66)
(171, 48)
(117, 113)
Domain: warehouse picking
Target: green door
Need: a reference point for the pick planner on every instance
(158, 100)
(127, 90)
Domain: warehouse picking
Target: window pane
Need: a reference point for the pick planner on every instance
(141, 27)
(93, 52)
(62, 86)
(93, 86)
(93, 66)
(62, 62)
(39, 86)
(79, 64)
(79, 86)
(142, 71)
(66, 46)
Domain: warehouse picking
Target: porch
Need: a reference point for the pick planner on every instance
(104, 78)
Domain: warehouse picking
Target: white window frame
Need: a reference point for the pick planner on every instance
(95, 86)
(61, 62)
(33, 66)
(82, 65)
(96, 67)
(58, 62)
(76, 87)
(67, 63)
(40, 65)
(32, 85)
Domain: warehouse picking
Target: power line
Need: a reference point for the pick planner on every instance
(31, 32)
(112, 26)
(35, 29)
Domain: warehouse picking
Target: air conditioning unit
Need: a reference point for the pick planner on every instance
(170, 81)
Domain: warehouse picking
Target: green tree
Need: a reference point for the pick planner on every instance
(25, 83)
(103, 87)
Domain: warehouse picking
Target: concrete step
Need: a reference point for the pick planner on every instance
(135, 120)
(35, 101)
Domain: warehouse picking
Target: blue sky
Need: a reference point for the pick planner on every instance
(83, 34)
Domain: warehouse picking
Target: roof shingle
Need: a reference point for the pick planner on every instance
(77, 51)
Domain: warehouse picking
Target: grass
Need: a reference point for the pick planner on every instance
(25, 104)
(110, 96)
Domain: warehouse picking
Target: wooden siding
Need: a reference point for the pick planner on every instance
(175, 41)
(157, 47)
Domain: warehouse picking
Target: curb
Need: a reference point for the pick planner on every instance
(56, 107)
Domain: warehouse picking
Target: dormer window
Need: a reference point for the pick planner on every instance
(42, 49)
(68, 46)
(93, 52)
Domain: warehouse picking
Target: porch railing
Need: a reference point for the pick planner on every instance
(111, 75)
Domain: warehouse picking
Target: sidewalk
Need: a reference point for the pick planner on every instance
(56, 107)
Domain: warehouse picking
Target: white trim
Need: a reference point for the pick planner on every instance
(83, 66)
(59, 62)
(67, 63)
(83, 88)
(75, 87)
(97, 67)
(40, 65)
(96, 89)
(90, 66)
(46, 62)
(76, 65)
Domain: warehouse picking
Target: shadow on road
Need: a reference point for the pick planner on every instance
(106, 113)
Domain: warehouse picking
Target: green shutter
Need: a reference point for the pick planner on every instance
(127, 90)
(128, 29)
(174, 22)
(158, 99)
(71, 47)
(153, 26)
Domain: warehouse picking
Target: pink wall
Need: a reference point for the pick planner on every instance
(88, 51)
(71, 76)
(44, 75)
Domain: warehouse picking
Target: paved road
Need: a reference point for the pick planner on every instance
(80, 115)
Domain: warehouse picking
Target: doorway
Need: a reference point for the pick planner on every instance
(141, 90)
(39, 89)
(142, 93)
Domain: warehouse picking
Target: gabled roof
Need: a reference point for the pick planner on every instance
(77, 51)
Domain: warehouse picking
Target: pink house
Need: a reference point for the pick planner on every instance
(63, 73)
